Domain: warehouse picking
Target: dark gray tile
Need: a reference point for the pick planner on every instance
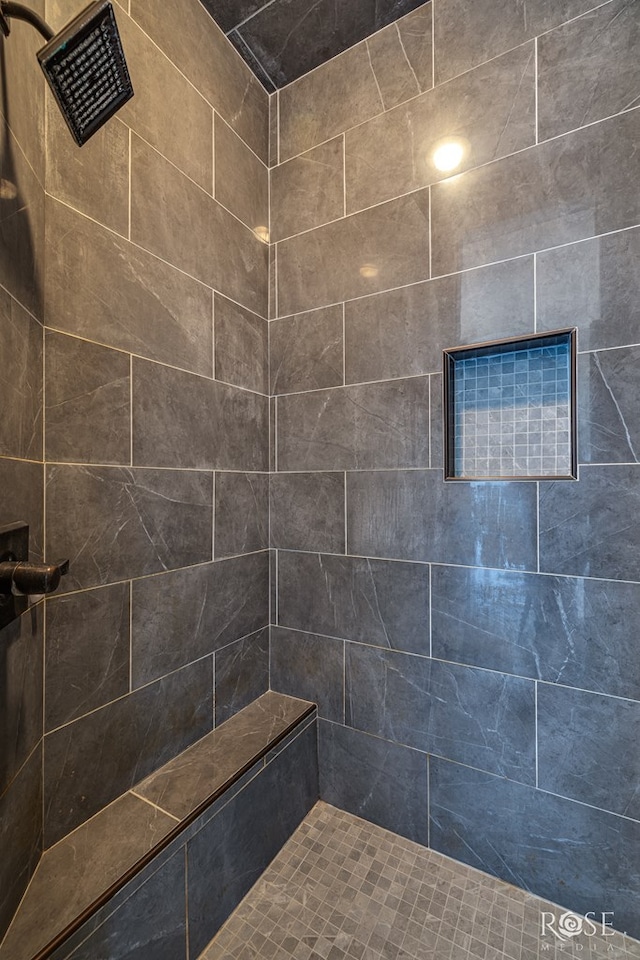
(229, 431)
(356, 427)
(607, 401)
(252, 61)
(90, 762)
(379, 781)
(195, 44)
(307, 511)
(596, 285)
(21, 389)
(152, 922)
(242, 513)
(122, 296)
(193, 232)
(87, 652)
(372, 601)
(229, 13)
(583, 738)
(241, 346)
(560, 629)
(21, 689)
(403, 332)
(401, 57)
(20, 836)
(308, 190)
(245, 836)
(555, 848)
(166, 110)
(185, 615)
(466, 36)
(592, 528)
(491, 108)
(290, 40)
(21, 227)
(370, 251)
(214, 761)
(472, 716)
(587, 69)
(526, 202)
(114, 524)
(241, 179)
(75, 872)
(22, 498)
(311, 667)
(436, 426)
(88, 411)
(306, 351)
(71, 173)
(241, 674)
(414, 515)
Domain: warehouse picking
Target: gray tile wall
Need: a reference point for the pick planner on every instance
(150, 349)
(472, 647)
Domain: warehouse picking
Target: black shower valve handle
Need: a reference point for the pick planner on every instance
(21, 578)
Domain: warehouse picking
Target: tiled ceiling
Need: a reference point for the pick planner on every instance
(283, 39)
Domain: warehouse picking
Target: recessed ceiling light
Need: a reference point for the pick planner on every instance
(448, 154)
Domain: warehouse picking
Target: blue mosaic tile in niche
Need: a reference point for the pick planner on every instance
(511, 409)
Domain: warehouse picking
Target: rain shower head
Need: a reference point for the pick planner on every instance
(84, 65)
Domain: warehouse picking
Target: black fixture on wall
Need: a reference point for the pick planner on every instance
(84, 64)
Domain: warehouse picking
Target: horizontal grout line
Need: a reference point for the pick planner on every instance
(359, 383)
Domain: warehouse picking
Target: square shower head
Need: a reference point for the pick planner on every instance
(86, 70)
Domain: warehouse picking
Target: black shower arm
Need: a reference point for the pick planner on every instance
(18, 11)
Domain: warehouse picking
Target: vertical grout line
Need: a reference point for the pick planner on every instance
(535, 55)
(345, 514)
(433, 43)
(344, 174)
(130, 166)
(535, 293)
(536, 724)
(430, 620)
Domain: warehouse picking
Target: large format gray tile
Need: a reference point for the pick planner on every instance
(387, 246)
(307, 511)
(308, 190)
(311, 667)
(183, 420)
(471, 716)
(20, 381)
(595, 284)
(241, 179)
(114, 524)
(191, 39)
(88, 412)
(607, 401)
(574, 187)
(560, 629)
(21, 688)
(122, 296)
(78, 177)
(241, 346)
(492, 109)
(414, 515)
(21, 835)
(465, 36)
(166, 110)
(305, 351)
(90, 762)
(402, 332)
(587, 69)
(379, 781)
(193, 232)
(372, 601)
(591, 528)
(184, 615)
(582, 738)
(241, 672)
(564, 851)
(356, 427)
(75, 872)
(241, 522)
(22, 482)
(401, 56)
(87, 652)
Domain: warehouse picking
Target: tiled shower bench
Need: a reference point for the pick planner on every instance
(157, 872)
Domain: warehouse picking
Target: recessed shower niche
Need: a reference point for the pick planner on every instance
(510, 409)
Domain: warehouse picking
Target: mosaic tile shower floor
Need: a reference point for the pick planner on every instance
(344, 889)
